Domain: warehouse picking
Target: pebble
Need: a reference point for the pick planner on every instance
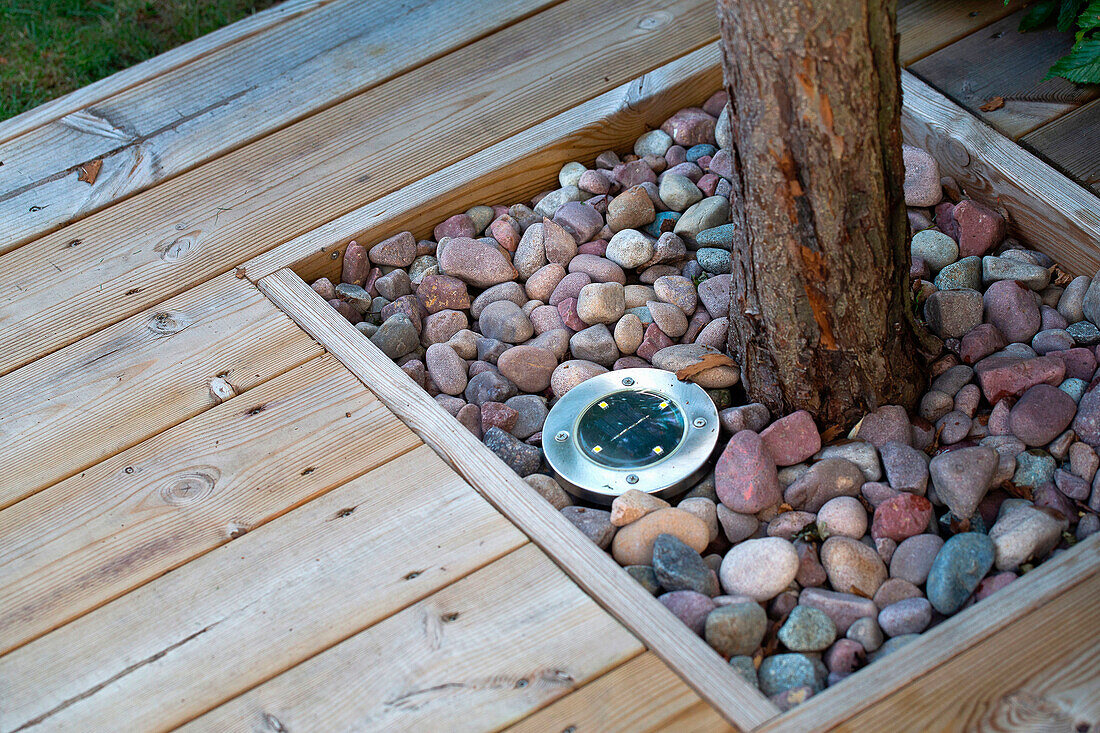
(962, 477)
(935, 248)
(690, 607)
(705, 509)
(550, 490)
(807, 629)
(901, 517)
(859, 452)
(737, 527)
(645, 576)
(964, 274)
(522, 458)
(690, 126)
(753, 416)
(792, 439)
(843, 516)
(782, 672)
(709, 213)
(825, 480)
(633, 544)
(1010, 307)
(852, 566)
(760, 568)
(979, 228)
(866, 632)
(476, 262)
(892, 645)
(678, 291)
(595, 344)
(906, 467)
(745, 668)
(1041, 415)
(396, 336)
(843, 608)
(396, 251)
(889, 423)
(745, 476)
(1033, 468)
(632, 505)
(1025, 533)
(678, 192)
(569, 374)
(528, 367)
(675, 357)
(922, 177)
(719, 237)
(913, 558)
(505, 321)
(595, 524)
(447, 369)
(952, 313)
(910, 616)
(736, 629)
(959, 566)
(654, 142)
(630, 210)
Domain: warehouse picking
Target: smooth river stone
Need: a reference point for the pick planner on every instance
(760, 569)
(633, 544)
(745, 477)
(958, 568)
(852, 566)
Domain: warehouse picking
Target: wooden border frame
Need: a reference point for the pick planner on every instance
(1044, 209)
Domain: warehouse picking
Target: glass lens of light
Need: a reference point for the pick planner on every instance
(630, 429)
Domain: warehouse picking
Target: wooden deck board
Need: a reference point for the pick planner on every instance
(153, 507)
(999, 61)
(105, 385)
(197, 112)
(643, 695)
(477, 655)
(926, 26)
(1072, 144)
(241, 614)
(204, 222)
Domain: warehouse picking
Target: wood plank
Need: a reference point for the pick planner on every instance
(1071, 143)
(178, 120)
(592, 568)
(512, 170)
(999, 61)
(201, 223)
(639, 696)
(1041, 673)
(103, 394)
(926, 26)
(180, 494)
(952, 639)
(169, 60)
(476, 655)
(154, 658)
(1043, 208)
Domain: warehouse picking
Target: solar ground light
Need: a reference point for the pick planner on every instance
(638, 429)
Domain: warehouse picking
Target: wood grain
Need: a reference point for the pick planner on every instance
(477, 655)
(510, 171)
(180, 119)
(592, 568)
(88, 401)
(640, 696)
(926, 26)
(203, 222)
(1071, 143)
(153, 507)
(271, 599)
(1043, 208)
(999, 61)
(1040, 673)
(967, 630)
(166, 62)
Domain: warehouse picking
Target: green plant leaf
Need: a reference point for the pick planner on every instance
(1037, 15)
(1081, 65)
(1089, 19)
(1067, 16)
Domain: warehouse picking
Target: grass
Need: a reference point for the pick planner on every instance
(51, 47)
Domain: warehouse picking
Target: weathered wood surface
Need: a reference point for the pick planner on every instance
(159, 656)
(592, 568)
(88, 401)
(1001, 62)
(477, 655)
(926, 26)
(180, 494)
(182, 118)
(639, 696)
(984, 626)
(204, 222)
(166, 62)
(1071, 143)
(512, 170)
(1043, 208)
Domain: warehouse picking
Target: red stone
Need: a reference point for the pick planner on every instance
(1001, 376)
(792, 439)
(745, 477)
(901, 517)
(980, 228)
(442, 292)
(497, 415)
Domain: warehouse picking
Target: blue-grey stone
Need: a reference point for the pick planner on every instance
(713, 260)
(645, 576)
(522, 458)
(1074, 387)
(1084, 333)
(966, 274)
(658, 226)
(678, 567)
(959, 566)
(781, 672)
(744, 666)
(720, 237)
(892, 645)
(1034, 468)
(695, 152)
(643, 314)
(807, 629)
(736, 629)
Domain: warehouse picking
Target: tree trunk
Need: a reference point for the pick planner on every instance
(820, 316)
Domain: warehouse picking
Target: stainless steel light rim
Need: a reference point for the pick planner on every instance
(589, 480)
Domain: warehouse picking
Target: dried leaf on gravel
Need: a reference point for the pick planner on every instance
(708, 361)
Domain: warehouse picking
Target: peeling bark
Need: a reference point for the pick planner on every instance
(820, 315)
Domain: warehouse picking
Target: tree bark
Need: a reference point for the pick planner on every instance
(820, 316)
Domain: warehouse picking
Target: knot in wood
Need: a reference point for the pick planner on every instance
(190, 487)
(653, 21)
(178, 248)
(166, 324)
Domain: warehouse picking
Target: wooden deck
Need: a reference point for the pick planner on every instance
(217, 513)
